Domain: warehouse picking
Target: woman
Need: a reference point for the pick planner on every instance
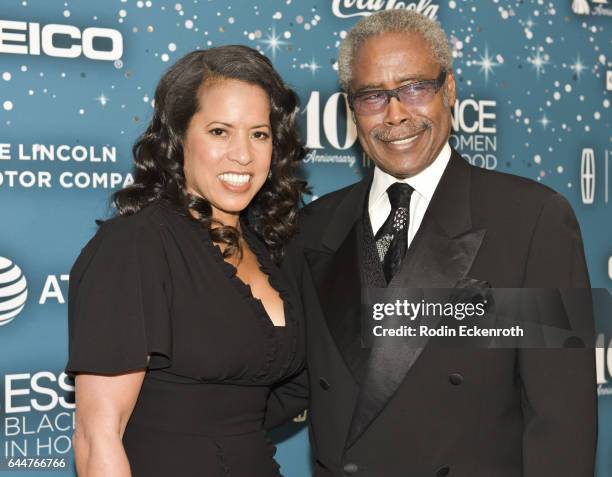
(180, 319)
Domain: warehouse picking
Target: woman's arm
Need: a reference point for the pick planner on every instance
(287, 400)
(103, 406)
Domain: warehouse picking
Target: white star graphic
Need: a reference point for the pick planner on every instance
(544, 121)
(486, 64)
(313, 66)
(102, 99)
(578, 67)
(538, 62)
(274, 42)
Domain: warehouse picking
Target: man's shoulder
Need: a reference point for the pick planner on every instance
(510, 189)
(323, 206)
(321, 212)
(519, 203)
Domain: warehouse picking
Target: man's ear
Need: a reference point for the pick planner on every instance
(451, 88)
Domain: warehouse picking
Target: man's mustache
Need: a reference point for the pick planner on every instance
(387, 134)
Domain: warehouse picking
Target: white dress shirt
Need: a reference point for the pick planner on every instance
(424, 184)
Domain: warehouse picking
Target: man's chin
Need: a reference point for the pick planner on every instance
(402, 170)
(401, 164)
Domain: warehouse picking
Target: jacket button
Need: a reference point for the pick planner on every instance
(455, 379)
(443, 471)
(573, 342)
(350, 469)
(324, 383)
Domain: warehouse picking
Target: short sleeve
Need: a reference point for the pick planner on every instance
(119, 300)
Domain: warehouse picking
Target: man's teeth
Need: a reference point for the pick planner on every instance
(404, 141)
(235, 179)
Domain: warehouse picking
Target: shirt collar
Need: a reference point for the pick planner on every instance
(424, 183)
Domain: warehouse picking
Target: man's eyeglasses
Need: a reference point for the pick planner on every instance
(411, 94)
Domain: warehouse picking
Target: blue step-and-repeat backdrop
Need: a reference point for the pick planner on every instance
(76, 86)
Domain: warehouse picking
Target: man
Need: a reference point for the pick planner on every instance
(426, 218)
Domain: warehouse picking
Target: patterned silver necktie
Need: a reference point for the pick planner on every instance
(392, 238)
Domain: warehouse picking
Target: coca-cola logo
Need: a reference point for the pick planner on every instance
(355, 8)
(592, 7)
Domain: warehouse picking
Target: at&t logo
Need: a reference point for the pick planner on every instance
(13, 291)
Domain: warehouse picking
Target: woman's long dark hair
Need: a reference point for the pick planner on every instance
(158, 152)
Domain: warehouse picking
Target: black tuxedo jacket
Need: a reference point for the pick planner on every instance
(435, 411)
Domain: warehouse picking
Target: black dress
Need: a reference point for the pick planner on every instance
(154, 284)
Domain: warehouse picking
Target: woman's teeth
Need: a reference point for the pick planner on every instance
(235, 179)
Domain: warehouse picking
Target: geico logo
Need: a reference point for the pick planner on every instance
(41, 391)
(24, 38)
(13, 291)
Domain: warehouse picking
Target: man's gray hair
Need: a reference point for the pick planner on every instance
(395, 21)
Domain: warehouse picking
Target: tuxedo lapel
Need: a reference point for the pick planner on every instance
(441, 253)
(336, 273)
(336, 279)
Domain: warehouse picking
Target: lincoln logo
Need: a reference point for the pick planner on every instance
(13, 291)
(587, 176)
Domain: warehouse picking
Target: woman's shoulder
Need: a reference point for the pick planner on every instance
(126, 237)
(146, 227)
(119, 295)
(151, 218)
